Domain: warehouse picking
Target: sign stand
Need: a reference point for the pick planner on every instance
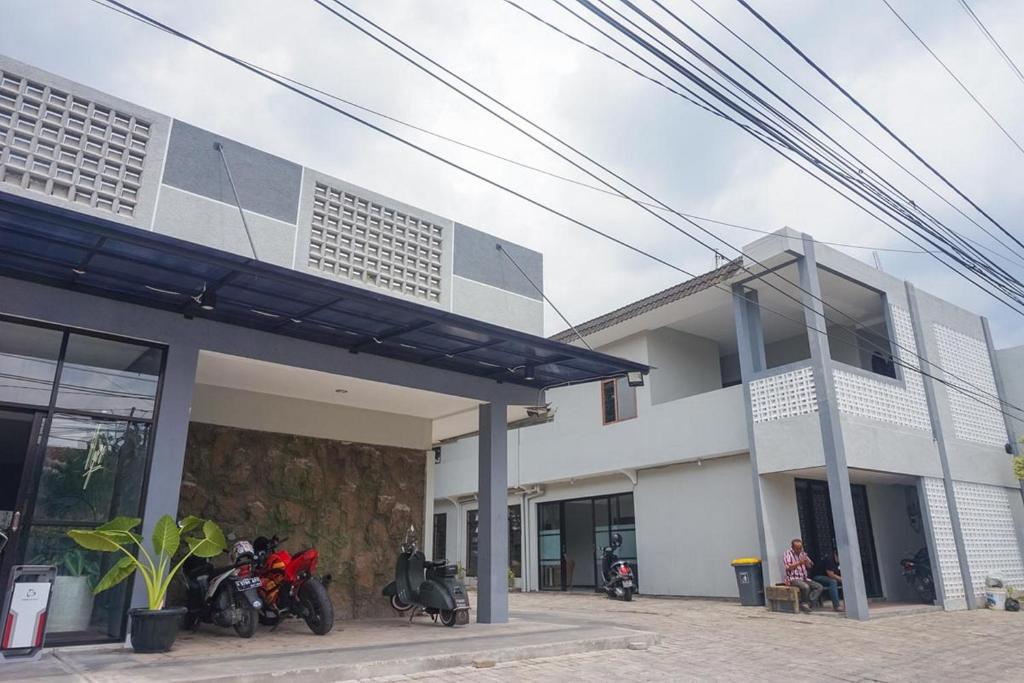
(25, 607)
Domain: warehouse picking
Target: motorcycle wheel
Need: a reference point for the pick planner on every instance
(398, 605)
(628, 597)
(317, 609)
(246, 628)
(448, 617)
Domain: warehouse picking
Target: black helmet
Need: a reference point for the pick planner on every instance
(616, 539)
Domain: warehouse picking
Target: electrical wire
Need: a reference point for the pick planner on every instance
(992, 39)
(534, 202)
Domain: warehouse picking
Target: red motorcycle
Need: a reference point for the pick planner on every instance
(290, 588)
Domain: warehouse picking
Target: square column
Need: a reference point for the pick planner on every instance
(492, 547)
(163, 486)
(844, 522)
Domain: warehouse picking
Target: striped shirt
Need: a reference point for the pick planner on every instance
(798, 573)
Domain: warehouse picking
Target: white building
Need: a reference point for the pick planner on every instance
(755, 427)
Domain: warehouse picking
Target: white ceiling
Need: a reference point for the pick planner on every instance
(283, 380)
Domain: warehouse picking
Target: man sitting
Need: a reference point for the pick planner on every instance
(797, 567)
(828, 575)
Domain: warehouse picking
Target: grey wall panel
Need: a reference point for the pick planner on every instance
(477, 258)
(493, 305)
(266, 184)
(217, 225)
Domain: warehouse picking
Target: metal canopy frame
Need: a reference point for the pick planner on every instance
(68, 249)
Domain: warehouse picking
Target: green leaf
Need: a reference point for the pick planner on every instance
(204, 547)
(166, 537)
(189, 523)
(118, 573)
(213, 533)
(94, 540)
(120, 524)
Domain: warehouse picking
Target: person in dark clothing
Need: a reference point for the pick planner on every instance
(828, 575)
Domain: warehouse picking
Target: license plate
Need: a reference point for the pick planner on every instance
(247, 583)
(627, 584)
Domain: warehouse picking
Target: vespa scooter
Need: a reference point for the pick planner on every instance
(424, 586)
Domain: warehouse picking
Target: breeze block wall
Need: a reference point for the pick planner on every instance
(353, 502)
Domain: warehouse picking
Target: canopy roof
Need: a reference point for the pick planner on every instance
(68, 249)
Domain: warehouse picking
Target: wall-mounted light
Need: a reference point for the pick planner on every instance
(635, 379)
(528, 371)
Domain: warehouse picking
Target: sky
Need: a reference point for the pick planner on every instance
(687, 158)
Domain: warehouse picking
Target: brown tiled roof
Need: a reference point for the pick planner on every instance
(666, 296)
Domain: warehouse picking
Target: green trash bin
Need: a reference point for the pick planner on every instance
(749, 581)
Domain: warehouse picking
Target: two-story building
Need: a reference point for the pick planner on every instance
(190, 325)
(786, 399)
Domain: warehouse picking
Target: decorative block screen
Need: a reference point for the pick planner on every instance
(886, 401)
(357, 239)
(68, 147)
(784, 395)
(989, 534)
(976, 417)
(945, 545)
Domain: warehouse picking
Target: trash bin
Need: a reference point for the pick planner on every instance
(750, 581)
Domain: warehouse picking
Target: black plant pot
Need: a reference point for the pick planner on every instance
(155, 630)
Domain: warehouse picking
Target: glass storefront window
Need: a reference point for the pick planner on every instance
(515, 544)
(73, 607)
(28, 363)
(92, 470)
(104, 376)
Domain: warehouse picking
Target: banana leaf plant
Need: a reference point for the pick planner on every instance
(203, 538)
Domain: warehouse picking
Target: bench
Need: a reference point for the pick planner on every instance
(782, 598)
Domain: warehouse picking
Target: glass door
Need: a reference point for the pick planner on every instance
(549, 545)
(19, 430)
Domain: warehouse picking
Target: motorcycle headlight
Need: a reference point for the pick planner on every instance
(257, 604)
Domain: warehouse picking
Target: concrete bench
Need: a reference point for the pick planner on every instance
(782, 598)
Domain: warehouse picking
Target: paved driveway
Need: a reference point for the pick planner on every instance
(705, 640)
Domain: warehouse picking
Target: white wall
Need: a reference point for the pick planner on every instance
(692, 520)
(268, 413)
(781, 521)
(685, 365)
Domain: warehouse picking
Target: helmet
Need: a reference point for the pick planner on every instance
(241, 551)
(616, 539)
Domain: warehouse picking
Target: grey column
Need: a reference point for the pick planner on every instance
(1011, 432)
(940, 441)
(750, 345)
(492, 543)
(854, 591)
(171, 431)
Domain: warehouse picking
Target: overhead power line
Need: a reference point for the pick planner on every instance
(956, 78)
(142, 17)
(992, 39)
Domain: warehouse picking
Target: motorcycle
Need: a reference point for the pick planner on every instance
(619, 582)
(225, 596)
(421, 585)
(918, 574)
(290, 588)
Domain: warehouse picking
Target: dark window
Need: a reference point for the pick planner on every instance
(618, 400)
(104, 376)
(440, 536)
(28, 362)
(515, 544)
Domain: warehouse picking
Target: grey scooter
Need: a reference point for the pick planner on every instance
(424, 586)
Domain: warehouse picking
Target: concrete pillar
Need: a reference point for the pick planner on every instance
(168, 460)
(939, 434)
(428, 506)
(750, 346)
(854, 590)
(492, 549)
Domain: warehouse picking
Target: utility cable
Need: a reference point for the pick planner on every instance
(992, 39)
(141, 16)
(954, 77)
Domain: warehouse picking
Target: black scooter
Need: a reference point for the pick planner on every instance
(918, 573)
(225, 596)
(424, 586)
(619, 582)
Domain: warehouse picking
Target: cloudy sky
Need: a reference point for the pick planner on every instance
(686, 157)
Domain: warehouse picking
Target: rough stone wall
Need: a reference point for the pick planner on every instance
(352, 502)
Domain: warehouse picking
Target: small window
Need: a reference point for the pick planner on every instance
(440, 536)
(618, 400)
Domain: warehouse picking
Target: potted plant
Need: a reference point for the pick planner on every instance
(155, 627)
(71, 607)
